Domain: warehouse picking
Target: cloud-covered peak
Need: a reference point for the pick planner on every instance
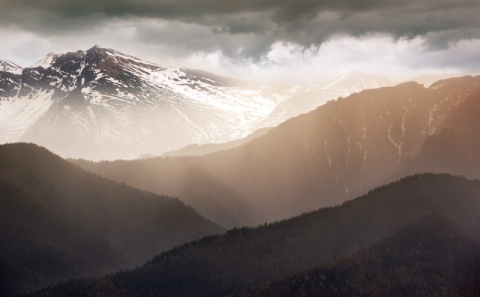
(306, 37)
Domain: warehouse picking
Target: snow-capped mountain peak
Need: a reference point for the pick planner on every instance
(45, 62)
(105, 104)
(7, 66)
(102, 104)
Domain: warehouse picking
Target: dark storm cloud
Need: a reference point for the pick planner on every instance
(247, 29)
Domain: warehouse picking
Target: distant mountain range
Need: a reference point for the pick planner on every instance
(306, 99)
(58, 221)
(428, 79)
(415, 237)
(339, 151)
(102, 104)
(209, 148)
(365, 190)
(302, 99)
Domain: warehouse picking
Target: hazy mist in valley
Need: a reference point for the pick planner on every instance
(252, 148)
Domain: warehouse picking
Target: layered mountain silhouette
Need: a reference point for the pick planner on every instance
(306, 99)
(415, 234)
(209, 148)
(338, 151)
(58, 221)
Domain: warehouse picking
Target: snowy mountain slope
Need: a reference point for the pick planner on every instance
(18, 115)
(7, 66)
(102, 104)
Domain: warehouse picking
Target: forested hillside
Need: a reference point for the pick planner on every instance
(429, 257)
(248, 257)
(58, 221)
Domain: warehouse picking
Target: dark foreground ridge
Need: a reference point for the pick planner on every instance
(429, 257)
(248, 257)
(58, 221)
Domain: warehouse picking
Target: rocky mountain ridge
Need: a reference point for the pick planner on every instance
(339, 151)
(117, 106)
(102, 104)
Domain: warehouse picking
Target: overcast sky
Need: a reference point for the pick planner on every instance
(296, 41)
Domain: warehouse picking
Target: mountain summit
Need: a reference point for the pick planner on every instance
(100, 103)
(7, 66)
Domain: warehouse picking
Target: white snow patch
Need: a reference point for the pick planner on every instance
(19, 114)
(46, 62)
